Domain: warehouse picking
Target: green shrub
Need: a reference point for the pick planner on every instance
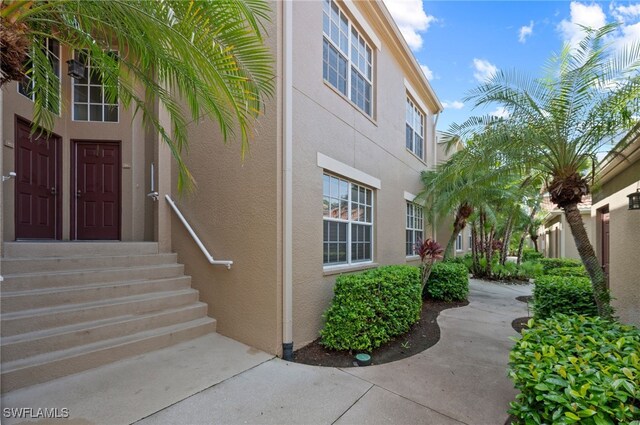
(448, 282)
(572, 369)
(371, 307)
(569, 271)
(530, 254)
(558, 294)
(554, 263)
(531, 269)
(505, 272)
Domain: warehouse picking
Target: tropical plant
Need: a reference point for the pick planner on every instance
(193, 59)
(429, 251)
(559, 123)
(448, 282)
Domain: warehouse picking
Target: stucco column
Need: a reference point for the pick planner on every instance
(163, 161)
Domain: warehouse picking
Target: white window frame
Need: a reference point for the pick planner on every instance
(414, 222)
(413, 109)
(470, 241)
(459, 242)
(351, 66)
(88, 103)
(32, 97)
(349, 222)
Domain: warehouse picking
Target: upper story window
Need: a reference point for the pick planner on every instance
(347, 221)
(51, 49)
(414, 135)
(414, 227)
(90, 99)
(347, 57)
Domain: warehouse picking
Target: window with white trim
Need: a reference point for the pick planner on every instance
(90, 99)
(414, 227)
(414, 134)
(347, 57)
(347, 221)
(51, 49)
(459, 242)
(470, 241)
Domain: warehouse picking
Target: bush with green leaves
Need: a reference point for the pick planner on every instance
(530, 254)
(572, 369)
(555, 263)
(372, 307)
(507, 271)
(569, 271)
(448, 282)
(560, 294)
(531, 269)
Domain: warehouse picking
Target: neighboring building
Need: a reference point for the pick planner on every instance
(617, 229)
(327, 187)
(554, 236)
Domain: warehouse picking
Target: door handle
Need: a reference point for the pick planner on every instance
(78, 194)
(54, 191)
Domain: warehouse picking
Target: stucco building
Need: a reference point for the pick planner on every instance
(327, 187)
(554, 235)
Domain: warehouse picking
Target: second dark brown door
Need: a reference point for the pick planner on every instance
(95, 209)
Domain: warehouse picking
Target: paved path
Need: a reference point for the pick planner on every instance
(462, 379)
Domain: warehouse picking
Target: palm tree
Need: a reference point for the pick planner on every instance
(559, 123)
(207, 55)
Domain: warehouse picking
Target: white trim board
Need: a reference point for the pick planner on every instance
(348, 171)
(357, 16)
(412, 198)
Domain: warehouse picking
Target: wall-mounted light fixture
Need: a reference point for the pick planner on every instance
(634, 200)
(76, 69)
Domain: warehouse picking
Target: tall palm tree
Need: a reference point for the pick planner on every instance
(207, 55)
(557, 125)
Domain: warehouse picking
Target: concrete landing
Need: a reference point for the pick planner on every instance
(131, 389)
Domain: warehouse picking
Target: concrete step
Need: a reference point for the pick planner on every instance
(61, 338)
(41, 280)
(51, 317)
(45, 367)
(13, 301)
(58, 264)
(39, 249)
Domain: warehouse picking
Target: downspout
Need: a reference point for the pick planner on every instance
(287, 272)
(435, 162)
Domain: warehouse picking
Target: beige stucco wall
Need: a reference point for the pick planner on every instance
(136, 212)
(558, 240)
(235, 210)
(624, 233)
(325, 122)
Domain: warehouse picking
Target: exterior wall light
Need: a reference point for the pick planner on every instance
(634, 200)
(76, 69)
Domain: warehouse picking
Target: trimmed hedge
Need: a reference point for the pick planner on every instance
(572, 369)
(448, 282)
(569, 271)
(559, 294)
(554, 263)
(372, 307)
(530, 254)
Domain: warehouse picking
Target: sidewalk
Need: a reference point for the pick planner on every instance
(462, 379)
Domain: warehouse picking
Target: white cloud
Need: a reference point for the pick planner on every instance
(427, 72)
(500, 112)
(590, 16)
(628, 34)
(456, 104)
(624, 13)
(525, 31)
(411, 19)
(484, 69)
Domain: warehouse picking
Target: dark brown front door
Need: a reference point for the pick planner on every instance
(604, 248)
(95, 196)
(38, 183)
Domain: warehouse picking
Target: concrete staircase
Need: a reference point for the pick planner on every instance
(69, 307)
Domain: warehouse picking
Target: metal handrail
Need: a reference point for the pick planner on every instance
(195, 237)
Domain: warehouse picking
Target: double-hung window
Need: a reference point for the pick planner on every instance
(414, 227)
(347, 57)
(91, 102)
(347, 221)
(459, 242)
(414, 134)
(51, 49)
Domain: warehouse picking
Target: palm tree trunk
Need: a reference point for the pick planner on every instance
(448, 253)
(506, 240)
(474, 249)
(589, 259)
(534, 239)
(534, 211)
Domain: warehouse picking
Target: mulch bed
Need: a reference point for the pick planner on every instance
(520, 323)
(423, 334)
(525, 298)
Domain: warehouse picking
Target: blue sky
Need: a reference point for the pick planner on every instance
(459, 43)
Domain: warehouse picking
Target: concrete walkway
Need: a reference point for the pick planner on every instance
(462, 379)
